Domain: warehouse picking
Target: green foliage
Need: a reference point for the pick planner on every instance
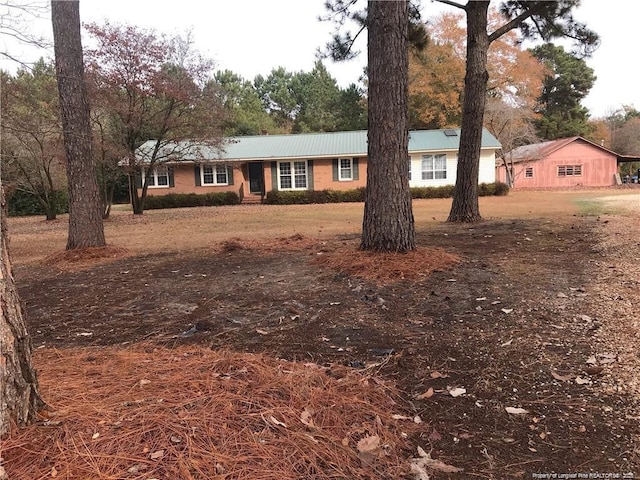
(275, 197)
(21, 203)
(318, 98)
(310, 101)
(243, 110)
(180, 200)
(445, 191)
(567, 84)
(497, 189)
(351, 110)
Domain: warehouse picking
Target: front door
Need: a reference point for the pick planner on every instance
(256, 178)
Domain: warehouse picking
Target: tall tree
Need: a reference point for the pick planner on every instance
(566, 84)
(85, 211)
(156, 89)
(243, 110)
(513, 126)
(388, 223)
(317, 95)
(436, 81)
(19, 396)
(351, 110)
(276, 91)
(32, 151)
(533, 18)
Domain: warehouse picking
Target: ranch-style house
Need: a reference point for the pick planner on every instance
(254, 165)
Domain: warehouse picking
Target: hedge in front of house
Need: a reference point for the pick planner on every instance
(180, 200)
(299, 197)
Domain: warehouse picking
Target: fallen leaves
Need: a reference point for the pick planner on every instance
(516, 410)
(457, 391)
(425, 395)
(421, 466)
(562, 378)
(306, 417)
(368, 449)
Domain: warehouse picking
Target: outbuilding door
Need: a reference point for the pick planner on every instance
(256, 178)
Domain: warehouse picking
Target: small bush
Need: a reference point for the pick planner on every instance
(22, 203)
(181, 200)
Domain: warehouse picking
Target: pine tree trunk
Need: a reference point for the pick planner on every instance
(388, 224)
(19, 397)
(465, 206)
(85, 211)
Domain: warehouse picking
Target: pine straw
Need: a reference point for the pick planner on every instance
(193, 413)
(344, 257)
(386, 268)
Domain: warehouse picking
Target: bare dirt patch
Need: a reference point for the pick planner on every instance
(537, 315)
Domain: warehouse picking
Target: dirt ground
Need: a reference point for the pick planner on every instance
(539, 314)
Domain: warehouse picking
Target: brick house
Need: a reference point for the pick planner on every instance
(254, 165)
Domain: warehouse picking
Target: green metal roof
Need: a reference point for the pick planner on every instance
(316, 145)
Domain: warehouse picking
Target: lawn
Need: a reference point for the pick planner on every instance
(257, 342)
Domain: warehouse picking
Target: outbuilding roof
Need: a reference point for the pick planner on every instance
(538, 151)
(312, 145)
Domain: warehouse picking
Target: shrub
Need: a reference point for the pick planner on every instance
(25, 203)
(180, 200)
(275, 197)
(445, 191)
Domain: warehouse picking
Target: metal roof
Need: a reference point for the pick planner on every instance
(538, 151)
(313, 145)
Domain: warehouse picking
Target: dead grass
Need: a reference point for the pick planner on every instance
(79, 258)
(192, 413)
(34, 239)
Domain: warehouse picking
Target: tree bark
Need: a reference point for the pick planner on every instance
(19, 397)
(388, 224)
(465, 206)
(85, 212)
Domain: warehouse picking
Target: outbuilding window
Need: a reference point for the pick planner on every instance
(528, 172)
(569, 170)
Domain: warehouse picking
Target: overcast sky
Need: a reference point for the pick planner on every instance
(251, 37)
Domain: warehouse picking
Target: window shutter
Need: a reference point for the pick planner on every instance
(196, 171)
(137, 179)
(274, 176)
(172, 182)
(356, 172)
(230, 174)
(335, 169)
(309, 174)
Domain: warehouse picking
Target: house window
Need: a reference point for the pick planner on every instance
(569, 170)
(214, 174)
(158, 177)
(292, 175)
(434, 167)
(345, 169)
(528, 172)
(409, 168)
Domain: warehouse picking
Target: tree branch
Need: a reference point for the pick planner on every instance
(453, 4)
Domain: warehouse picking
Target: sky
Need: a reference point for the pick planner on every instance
(252, 37)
